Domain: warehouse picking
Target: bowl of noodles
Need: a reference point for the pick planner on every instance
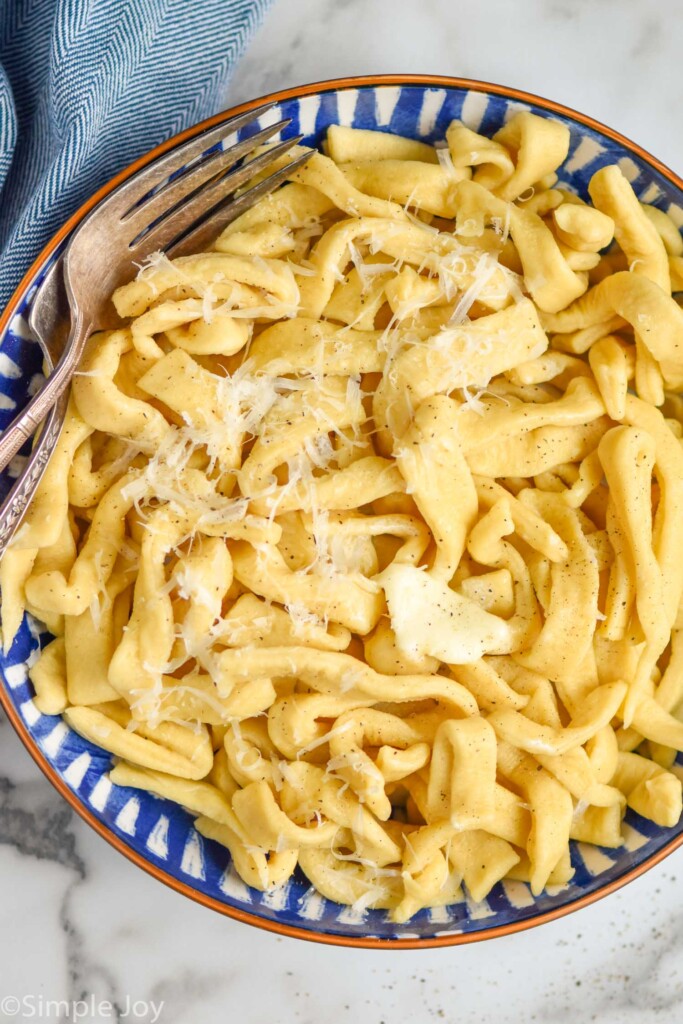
(349, 603)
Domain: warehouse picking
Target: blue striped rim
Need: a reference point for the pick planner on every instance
(162, 833)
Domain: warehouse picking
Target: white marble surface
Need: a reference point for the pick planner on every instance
(78, 922)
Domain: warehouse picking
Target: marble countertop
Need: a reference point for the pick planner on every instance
(79, 922)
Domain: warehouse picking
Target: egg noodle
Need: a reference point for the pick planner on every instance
(362, 540)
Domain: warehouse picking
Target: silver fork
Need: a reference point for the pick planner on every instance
(49, 324)
(168, 206)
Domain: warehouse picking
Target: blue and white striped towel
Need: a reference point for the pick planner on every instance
(86, 86)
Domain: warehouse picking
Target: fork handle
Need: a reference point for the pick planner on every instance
(31, 416)
(14, 507)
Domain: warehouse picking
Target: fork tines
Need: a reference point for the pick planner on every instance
(201, 191)
(179, 202)
(196, 238)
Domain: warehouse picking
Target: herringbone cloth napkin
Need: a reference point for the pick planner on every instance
(86, 86)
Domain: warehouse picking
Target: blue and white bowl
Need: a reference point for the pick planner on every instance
(159, 836)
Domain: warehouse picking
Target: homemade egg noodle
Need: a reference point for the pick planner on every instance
(363, 540)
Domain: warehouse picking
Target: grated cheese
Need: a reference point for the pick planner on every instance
(487, 266)
(443, 155)
(302, 618)
(314, 744)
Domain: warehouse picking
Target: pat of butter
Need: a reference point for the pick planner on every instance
(430, 618)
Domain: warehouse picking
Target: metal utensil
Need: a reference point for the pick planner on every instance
(176, 204)
(49, 323)
(138, 218)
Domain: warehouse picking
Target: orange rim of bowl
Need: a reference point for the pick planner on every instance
(72, 798)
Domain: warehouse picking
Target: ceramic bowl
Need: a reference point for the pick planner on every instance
(159, 836)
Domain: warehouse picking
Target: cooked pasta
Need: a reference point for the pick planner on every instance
(362, 539)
